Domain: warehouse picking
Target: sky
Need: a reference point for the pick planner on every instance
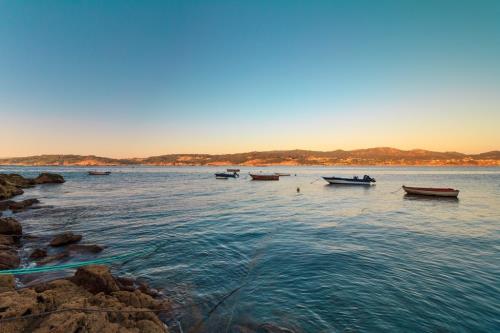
(142, 78)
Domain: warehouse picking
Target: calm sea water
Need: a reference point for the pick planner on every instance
(327, 259)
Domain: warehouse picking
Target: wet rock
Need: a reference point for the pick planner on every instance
(95, 279)
(90, 248)
(7, 240)
(4, 205)
(38, 254)
(9, 258)
(22, 205)
(10, 226)
(49, 178)
(143, 287)
(65, 238)
(8, 190)
(125, 284)
(56, 257)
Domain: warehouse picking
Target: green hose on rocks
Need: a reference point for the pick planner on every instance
(121, 257)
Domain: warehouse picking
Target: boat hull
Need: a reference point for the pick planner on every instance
(264, 177)
(346, 181)
(227, 175)
(99, 173)
(428, 191)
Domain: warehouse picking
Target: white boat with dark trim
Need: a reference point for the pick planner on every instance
(431, 191)
(366, 180)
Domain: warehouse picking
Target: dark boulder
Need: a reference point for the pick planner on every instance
(49, 178)
(10, 226)
(65, 238)
(7, 240)
(38, 254)
(95, 279)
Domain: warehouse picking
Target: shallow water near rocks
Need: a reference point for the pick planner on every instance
(327, 259)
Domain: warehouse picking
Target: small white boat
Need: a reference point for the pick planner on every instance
(432, 191)
(366, 180)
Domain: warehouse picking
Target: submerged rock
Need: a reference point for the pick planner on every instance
(65, 238)
(22, 205)
(89, 248)
(56, 257)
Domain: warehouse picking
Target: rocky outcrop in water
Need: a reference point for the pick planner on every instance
(49, 178)
(13, 184)
(127, 306)
(65, 238)
(92, 288)
(17, 206)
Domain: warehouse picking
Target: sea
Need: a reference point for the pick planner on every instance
(296, 253)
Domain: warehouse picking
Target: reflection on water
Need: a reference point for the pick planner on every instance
(330, 258)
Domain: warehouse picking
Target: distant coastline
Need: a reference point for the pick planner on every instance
(361, 157)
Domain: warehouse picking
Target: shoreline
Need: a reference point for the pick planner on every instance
(93, 297)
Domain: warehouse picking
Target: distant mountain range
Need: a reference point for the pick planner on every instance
(371, 156)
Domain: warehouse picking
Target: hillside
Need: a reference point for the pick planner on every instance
(371, 156)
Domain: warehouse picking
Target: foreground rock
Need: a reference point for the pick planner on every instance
(9, 258)
(65, 238)
(10, 226)
(80, 292)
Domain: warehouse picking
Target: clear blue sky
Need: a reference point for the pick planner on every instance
(138, 78)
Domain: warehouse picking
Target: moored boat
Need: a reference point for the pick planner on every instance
(227, 174)
(99, 173)
(263, 176)
(431, 191)
(282, 174)
(220, 177)
(233, 170)
(366, 180)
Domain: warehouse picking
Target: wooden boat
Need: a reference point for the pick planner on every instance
(233, 170)
(433, 191)
(220, 177)
(227, 174)
(99, 173)
(282, 174)
(263, 176)
(366, 180)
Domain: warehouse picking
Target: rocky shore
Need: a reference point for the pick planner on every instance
(93, 300)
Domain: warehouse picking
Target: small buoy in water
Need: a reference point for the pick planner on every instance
(298, 189)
